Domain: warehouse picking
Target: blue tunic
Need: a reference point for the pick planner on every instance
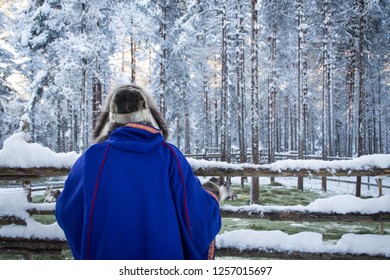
(135, 196)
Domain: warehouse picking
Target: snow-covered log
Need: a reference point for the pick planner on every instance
(303, 245)
(292, 255)
(32, 246)
(363, 166)
(338, 208)
(307, 216)
(20, 160)
(6, 220)
(371, 165)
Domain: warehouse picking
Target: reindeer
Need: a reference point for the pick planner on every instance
(231, 194)
(222, 191)
(51, 194)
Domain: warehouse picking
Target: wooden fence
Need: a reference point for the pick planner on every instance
(28, 246)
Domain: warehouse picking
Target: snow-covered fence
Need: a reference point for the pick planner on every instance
(21, 234)
(21, 160)
(371, 165)
(24, 162)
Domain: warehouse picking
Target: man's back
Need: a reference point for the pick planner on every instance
(135, 197)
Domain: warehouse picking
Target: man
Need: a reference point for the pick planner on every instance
(134, 196)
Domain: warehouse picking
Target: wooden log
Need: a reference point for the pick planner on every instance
(35, 245)
(265, 172)
(35, 211)
(380, 187)
(27, 254)
(8, 220)
(271, 254)
(230, 170)
(298, 216)
(24, 174)
(306, 216)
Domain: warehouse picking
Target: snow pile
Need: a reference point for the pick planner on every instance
(343, 204)
(340, 204)
(17, 152)
(14, 203)
(33, 230)
(202, 163)
(308, 242)
(363, 244)
(368, 162)
(270, 240)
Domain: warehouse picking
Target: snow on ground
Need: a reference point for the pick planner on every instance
(17, 152)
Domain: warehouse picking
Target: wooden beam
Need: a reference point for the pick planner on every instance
(37, 211)
(22, 174)
(306, 216)
(7, 220)
(266, 172)
(33, 244)
(281, 215)
(292, 255)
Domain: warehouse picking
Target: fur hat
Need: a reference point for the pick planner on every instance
(126, 104)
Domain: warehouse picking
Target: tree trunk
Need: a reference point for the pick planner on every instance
(272, 129)
(255, 192)
(240, 84)
(302, 87)
(325, 87)
(97, 98)
(206, 117)
(163, 58)
(361, 115)
(224, 82)
(83, 103)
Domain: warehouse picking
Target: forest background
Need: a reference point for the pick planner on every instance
(256, 77)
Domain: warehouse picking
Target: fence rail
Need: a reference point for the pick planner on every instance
(12, 174)
(293, 255)
(38, 246)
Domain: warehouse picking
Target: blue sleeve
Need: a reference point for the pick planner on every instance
(202, 210)
(69, 210)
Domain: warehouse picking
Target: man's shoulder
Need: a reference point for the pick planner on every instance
(174, 150)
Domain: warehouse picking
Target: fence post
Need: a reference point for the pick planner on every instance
(323, 184)
(380, 186)
(381, 228)
(27, 187)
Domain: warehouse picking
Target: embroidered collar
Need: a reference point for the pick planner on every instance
(144, 127)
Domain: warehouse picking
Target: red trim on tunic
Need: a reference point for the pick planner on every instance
(144, 127)
(93, 202)
(184, 188)
(211, 254)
